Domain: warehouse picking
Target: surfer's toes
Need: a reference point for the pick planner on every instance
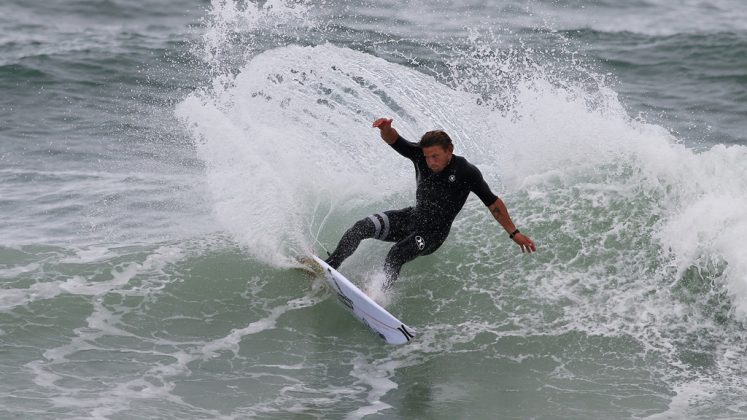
(310, 265)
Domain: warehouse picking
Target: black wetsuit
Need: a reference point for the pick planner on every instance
(418, 230)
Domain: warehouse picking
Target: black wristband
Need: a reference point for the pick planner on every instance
(512, 234)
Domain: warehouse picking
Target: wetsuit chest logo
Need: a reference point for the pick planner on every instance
(452, 178)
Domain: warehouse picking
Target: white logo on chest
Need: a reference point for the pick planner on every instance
(452, 178)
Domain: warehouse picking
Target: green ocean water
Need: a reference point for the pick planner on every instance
(163, 163)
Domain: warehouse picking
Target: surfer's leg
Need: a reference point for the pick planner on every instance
(408, 249)
(385, 226)
(362, 229)
(403, 251)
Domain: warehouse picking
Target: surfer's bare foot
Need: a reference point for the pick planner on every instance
(310, 265)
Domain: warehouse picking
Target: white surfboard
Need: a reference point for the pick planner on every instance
(384, 324)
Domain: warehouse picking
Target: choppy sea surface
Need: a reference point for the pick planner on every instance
(162, 163)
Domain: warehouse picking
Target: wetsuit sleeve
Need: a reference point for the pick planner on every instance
(406, 148)
(478, 186)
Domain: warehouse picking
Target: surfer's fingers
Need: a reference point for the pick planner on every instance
(382, 122)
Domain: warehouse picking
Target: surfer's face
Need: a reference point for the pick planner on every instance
(437, 158)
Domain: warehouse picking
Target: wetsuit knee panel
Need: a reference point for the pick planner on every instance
(382, 225)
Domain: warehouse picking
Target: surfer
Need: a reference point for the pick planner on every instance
(444, 180)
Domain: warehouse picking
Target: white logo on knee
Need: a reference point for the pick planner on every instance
(420, 241)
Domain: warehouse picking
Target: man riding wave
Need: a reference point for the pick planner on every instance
(444, 180)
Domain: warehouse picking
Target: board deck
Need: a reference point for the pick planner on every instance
(376, 318)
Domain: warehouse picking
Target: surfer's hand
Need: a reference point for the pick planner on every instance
(386, 131)
(525, 243)
(382, 123)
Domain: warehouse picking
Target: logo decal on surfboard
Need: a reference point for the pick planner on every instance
(408, 335)
(342, 298)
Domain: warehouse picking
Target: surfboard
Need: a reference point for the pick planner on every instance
(370, 313)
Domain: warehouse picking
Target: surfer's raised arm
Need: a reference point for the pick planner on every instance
(388, 133)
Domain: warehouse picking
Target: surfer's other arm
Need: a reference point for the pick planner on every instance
(500, 213)
(388, 133)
